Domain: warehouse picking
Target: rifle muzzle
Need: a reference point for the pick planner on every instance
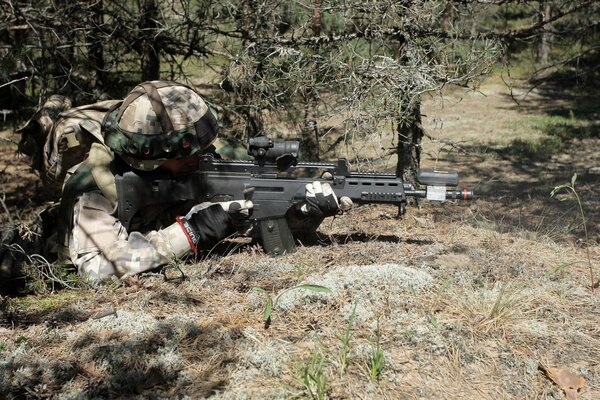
(460, 194)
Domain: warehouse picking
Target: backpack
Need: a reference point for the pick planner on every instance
(58, 138)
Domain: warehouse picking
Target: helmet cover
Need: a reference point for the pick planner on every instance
(159, 121)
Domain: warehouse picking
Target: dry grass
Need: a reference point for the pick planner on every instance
(466, 301)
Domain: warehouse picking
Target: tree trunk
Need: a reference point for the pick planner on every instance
(96, 50)
(410, 134)
(150, 59)
(14, 94)
(254, 122)
(285, 24)
(310, 134)
(543, 44)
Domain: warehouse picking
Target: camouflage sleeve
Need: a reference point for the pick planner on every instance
(101, 247)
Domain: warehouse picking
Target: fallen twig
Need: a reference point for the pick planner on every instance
(13, 81)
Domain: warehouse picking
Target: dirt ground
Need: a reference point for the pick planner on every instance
(454, 301)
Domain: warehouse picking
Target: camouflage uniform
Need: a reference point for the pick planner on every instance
(97, 242)
(100, 246)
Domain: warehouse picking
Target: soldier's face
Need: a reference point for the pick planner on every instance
(180, 166)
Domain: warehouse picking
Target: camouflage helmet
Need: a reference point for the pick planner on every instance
(159, 121)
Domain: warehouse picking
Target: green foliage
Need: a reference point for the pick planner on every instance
(44, 277)
(433, 320)
(555, 130)
(345, 341)
(47, 302)
(334, 23)
(564, 127)
(540, 136)
(376, 360)
(502, 306)
(568, 131)
(313, 377)
(20, 339)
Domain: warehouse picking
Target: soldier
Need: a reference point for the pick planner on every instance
(160, 128)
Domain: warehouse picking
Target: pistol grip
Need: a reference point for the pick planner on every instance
(276, 236)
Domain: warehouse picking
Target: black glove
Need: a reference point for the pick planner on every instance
(322, 202)
(207, 226)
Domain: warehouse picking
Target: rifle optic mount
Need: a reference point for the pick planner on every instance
(282, 152)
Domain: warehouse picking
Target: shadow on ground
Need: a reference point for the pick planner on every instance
(513, 182)
(160, 360)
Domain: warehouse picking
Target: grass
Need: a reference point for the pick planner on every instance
(47, 302)
(376, 361)
(488, 312)
(506, 294)
(271, 301)
(375, 358)
(534, 150)
(345, 342)
(567, 126)
(570, 188)
(313, 377)
(535, 144)
(558, 270)
(540, 136)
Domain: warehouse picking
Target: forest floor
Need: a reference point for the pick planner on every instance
(454, 301)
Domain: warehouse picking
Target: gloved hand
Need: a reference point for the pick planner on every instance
(206, 224)
(322, 202)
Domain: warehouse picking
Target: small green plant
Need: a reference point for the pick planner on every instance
(502, 307)
(570, 188)
(557, 270)
(502, 310)
(313, 377)
(345, 339)
(20, 339)
(377, 358)
(272, 301)
(433, 320)
(44, 277)
(447, 283)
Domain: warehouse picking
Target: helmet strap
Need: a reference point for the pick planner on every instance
(158, 107)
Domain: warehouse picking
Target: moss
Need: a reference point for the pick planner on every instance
(45, 302)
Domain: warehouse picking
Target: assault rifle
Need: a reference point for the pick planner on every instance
(275, 181)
